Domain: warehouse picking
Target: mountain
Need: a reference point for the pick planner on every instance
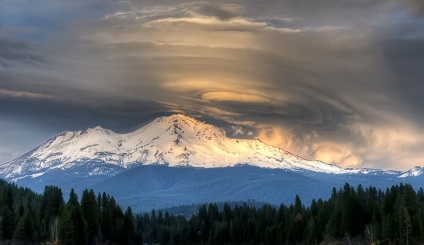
(175, 141)
(180, 160)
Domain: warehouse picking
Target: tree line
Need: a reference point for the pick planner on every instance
(30, 218)
(352, 215)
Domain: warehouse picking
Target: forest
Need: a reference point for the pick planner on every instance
(352, 215)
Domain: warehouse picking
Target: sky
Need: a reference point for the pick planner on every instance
(340, 81)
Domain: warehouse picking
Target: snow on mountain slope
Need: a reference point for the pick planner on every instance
(175, 141)
(414, 172)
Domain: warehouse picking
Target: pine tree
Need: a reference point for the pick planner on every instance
(49, 211)
(311, 232)
(6, 213)
(24, 229)
(297, 220)
(89, 208)
(128, 227)
(386, 228)
(73, 228)
(6, 223)
(405, 225)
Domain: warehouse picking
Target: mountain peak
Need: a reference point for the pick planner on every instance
(182, 125)
(178, 119)
(98, 129)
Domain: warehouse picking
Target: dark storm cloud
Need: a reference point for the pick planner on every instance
(15, 52)
(405, 59)
(54, 117)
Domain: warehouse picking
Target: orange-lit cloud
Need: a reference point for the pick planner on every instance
(311, 146)
(194, 85)
(375, 143)
(216, 112)
(339, 154)
(233, 96)
(276, 137)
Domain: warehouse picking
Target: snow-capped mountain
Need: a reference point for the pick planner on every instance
(175, 141)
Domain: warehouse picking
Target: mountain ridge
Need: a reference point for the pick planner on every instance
(175, 141)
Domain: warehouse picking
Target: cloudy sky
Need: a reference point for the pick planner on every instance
(336, 80)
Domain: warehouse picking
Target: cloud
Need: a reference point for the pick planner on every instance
(20, 94)
(415, 6)
(223, 11)
(217, 113)
(7, 154)
(232, 96)
(337, 154)
(311, 145)
(14, 52)
(401, 143)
